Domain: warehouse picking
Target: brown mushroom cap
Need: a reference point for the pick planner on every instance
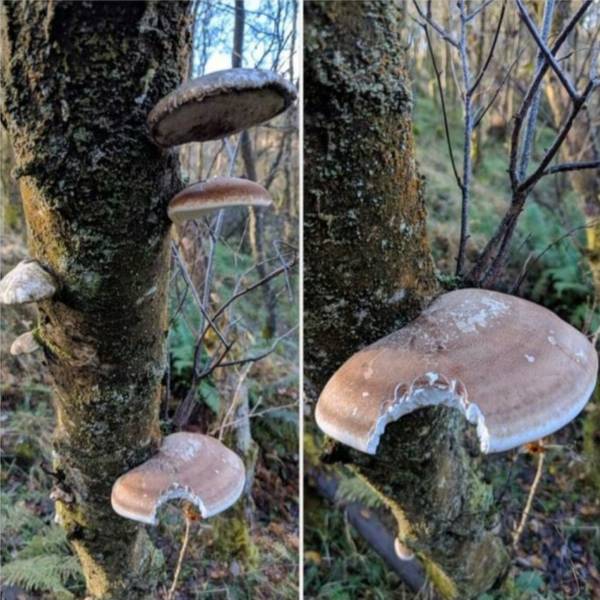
(219, 104)
(220, 192)
(513, 368)
(188, 466)
(24, 344)
(27, 282)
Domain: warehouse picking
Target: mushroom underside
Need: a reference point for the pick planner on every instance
(217, 116)
(433, 389)
(179, 492)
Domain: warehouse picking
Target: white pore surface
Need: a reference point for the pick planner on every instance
(419, 397)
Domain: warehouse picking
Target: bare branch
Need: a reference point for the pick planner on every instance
(479, 9)
(440, 30)
(578, 104)
(576, 166)
(491, 52)
(467, 142)
(248, 289)
(483, 111)
(531, 261)
(532, 115)
(493, 255)
(548, 55)
(188, 280)
(260, 356)
(444, 111)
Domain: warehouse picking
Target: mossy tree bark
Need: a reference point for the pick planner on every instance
(367, 264)
(78, 79)
(368, 271)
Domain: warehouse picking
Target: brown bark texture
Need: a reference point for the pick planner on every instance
(367, 267)
(78, 79)
(368, 271)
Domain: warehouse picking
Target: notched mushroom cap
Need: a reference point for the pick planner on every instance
(513, 368)
(216, 193)
(219, 104)
(24, 344)
(188, 466)
(27, 282)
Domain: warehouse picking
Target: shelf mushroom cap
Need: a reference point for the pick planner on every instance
(219, 104)
(513, 368)
(27, 282)
(188, 466)
(24, 344)
(216, 193)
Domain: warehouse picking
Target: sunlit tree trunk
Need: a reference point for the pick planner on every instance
(368, 270)
(78, 80)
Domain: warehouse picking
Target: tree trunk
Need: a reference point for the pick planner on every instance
(257, 221)
(367, 267)
(368, 270)
(78, 80)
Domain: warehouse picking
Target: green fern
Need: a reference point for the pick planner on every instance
(45, 563)
(51, 541)
(44, 573)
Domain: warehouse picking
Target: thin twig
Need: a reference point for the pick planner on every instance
(532, 116)
(483, 110)
(531, 261)
(491, 52)
(184, 545)
(479, 9)
(440, 30)
(527, 510)
(575, 166)
(444, 111)
(547, 53)
(468, 131)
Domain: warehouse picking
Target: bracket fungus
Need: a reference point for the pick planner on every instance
(27, 282)
(513, 368)
(219, 104)
(24, 344)
(219, 192)
(188, 466)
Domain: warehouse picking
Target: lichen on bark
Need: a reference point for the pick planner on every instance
(78, 79)
(367, 267)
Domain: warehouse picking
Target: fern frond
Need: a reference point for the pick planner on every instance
(46, 573)
(51, 540)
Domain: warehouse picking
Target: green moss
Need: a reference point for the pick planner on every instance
(233, 539)
(591, 440)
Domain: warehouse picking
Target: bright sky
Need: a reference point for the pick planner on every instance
(220, 59)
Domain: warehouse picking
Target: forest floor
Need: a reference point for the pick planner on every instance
(36, 560)
(557, 558)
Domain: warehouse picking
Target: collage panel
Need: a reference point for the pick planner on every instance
(451, 300)
(150, 292)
